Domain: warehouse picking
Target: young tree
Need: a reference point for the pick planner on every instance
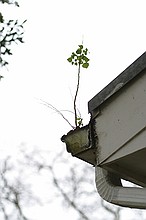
(79, 58)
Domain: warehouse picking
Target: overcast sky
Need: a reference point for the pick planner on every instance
(114, 32)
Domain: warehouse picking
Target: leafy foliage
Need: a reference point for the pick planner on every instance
(79, 57)
(11, 31)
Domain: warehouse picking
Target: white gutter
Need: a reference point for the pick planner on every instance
(110, 189)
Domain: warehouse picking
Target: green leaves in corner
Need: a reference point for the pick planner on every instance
(85, 65)
(79, 57)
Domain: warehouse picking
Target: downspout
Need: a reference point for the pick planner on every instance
(110, 189)
(109, 185)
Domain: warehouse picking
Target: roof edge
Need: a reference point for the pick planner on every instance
(121, 80)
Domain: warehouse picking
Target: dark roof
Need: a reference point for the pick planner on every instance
(126, 76)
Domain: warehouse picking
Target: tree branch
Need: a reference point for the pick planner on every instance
(66, 197)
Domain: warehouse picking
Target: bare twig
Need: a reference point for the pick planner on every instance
(57, 111)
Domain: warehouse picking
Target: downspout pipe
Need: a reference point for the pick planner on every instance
(110, 188)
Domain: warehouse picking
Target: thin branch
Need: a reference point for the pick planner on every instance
(17, 204)
(76, 94)
(79, 113)
(4, 211)
(116, 212)
(57, 111)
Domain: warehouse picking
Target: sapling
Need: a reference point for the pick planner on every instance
(78, 58)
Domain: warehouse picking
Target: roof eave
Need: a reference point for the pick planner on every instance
(119, 82)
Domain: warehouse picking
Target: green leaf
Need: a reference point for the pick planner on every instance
(81, 46)
(85, 65)
(79, 51)
(80, 122)
(73, 54)
(85, 51)
(69, 59)
(85, 58)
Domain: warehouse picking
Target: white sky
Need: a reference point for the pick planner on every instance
(114, 31)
